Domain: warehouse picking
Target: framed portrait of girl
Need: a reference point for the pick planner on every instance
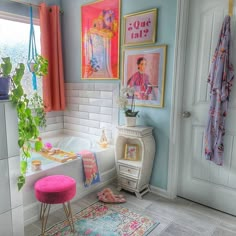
(144, 70)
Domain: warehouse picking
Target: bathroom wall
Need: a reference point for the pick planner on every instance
(55, 123)
(91, 108)
(155, 117)
(158, 118)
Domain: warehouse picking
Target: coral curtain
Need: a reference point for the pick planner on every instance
(51, 48)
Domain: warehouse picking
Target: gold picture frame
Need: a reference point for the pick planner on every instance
(149, 81)
(100, 38)
(140, 27)
(131, 152)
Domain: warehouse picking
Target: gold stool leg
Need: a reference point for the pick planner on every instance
(69, 217)
(44, 212)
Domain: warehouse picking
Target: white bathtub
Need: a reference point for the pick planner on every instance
(106, 166)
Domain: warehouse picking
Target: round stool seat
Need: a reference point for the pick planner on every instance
(55, 189)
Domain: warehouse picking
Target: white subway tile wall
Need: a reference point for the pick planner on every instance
(90, 108)
(55, 122)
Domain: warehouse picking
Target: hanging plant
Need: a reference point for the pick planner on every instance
(40, 66)
(37, 64)
(28, 123)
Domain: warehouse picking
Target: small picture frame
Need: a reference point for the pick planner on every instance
(140, 27)
(131, 152)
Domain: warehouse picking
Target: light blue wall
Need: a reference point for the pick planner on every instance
(158, 118)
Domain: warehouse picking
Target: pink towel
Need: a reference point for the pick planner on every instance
(91, 174)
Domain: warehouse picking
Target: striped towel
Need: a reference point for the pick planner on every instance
(91, 174)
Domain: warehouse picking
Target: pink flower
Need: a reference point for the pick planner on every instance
(47, 145)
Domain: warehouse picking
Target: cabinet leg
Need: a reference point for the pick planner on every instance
(118, 188)
(138, 195)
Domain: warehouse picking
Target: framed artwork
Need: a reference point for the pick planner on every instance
(100, 26)
(140, 27)
(131, 152)
(144, 69)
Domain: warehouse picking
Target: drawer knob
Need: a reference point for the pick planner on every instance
(128, 170)
(128, 182)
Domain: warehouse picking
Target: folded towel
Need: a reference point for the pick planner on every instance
(91, 174)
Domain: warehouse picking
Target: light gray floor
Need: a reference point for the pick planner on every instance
(177, 218)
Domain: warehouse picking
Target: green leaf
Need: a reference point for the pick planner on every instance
(6, 66)
(27, 154)
(18, 92)
(20, 143)
(28, 111)
(38, 146)
(23, 167)
(41, 66)
(20, 182)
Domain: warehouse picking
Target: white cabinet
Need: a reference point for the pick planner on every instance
(134, 175)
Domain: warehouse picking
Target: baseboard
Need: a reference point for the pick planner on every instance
(34, 207)
(160, 192)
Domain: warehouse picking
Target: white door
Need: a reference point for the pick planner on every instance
(201, 180)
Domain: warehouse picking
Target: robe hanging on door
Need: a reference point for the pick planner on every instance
(220, 79)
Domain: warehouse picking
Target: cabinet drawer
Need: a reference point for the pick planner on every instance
(128, 182)
(129, 171)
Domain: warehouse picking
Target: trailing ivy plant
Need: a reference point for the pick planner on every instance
(28, 123)
(36, 102)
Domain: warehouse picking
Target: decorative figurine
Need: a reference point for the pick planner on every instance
(103, 140)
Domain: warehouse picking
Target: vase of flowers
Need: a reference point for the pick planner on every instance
(127, 94)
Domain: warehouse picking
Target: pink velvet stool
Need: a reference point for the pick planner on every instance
(55, 189)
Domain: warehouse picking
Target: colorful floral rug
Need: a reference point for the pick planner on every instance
(100, 219)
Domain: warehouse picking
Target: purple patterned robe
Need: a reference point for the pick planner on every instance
(220, 80)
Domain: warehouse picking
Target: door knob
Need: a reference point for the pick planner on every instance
(186, 114)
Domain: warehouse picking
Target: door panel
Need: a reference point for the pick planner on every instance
(201, 180)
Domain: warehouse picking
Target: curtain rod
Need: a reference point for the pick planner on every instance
(30, 4)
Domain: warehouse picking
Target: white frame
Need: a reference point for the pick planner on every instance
(176, 109)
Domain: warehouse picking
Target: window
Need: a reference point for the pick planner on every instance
(14, 43)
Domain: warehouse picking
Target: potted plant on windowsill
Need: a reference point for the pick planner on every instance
(5, 78)
(123, 101)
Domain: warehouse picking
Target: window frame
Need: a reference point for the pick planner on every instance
(17, 18)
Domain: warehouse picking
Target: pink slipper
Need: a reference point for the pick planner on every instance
(105, 190)
(116, 200)
(109, 191)
(108, 197)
